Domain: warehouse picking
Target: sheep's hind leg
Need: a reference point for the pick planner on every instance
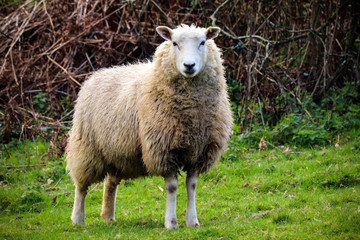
(109, 198)
(191, 216)
(78, 213)
(171, 185)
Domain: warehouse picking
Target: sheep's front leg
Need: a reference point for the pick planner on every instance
(109, 198)
(78, 213)
(171, 185)
(191, 216)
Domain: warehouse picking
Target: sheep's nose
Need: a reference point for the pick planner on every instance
(189, 66)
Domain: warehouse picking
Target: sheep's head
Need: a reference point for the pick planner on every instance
(188, 46)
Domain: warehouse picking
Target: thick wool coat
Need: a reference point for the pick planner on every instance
(147, 118)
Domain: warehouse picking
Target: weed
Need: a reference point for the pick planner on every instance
(40, 102)
(308, 124)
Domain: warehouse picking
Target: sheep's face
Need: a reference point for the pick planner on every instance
(188, 46)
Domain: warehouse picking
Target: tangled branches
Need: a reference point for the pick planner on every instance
(272, 52)
(293, 48)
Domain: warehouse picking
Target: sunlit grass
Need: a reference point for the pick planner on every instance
(269, 194)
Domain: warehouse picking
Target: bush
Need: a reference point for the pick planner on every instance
(309, 124)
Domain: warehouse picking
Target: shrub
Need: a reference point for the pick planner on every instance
(308, 124)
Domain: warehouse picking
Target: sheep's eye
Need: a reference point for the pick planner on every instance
(175, 44)
(202, 43)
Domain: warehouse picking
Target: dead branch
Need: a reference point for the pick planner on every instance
(50, 47)
(62, 68)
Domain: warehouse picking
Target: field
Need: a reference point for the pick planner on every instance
(276, 193)
(292, 71)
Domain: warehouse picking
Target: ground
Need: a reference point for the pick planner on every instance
(277, 193)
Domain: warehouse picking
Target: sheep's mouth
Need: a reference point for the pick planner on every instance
(189, 73)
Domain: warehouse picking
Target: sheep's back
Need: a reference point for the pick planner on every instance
(106, 117)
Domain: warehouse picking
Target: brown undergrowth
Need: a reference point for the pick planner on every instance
(274, 51)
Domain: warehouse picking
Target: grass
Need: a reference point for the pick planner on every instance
(250, 194)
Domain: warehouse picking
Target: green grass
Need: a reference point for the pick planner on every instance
(269, 194)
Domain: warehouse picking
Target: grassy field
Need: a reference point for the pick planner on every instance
(279, 193)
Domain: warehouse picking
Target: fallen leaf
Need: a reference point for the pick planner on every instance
(54, 199)
(262, 144)
(287, 149)
(256, 185)
(261, 214)
(48, 189)
(3, 182)
(246, 185)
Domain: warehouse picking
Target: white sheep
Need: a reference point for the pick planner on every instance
(156, 118)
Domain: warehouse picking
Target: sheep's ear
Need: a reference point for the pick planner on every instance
(164, 32)
(212, 32)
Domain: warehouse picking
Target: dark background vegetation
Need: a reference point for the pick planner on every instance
(292, 66)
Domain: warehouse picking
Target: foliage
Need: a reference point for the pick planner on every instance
(297, 194)
(308, 123)
(298, 48)
(40, 102)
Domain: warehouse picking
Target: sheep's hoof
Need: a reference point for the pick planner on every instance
(171, 225)
(108, 220)
(107, 217)
(194, 223)
(78, 221)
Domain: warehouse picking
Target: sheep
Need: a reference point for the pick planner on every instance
(152, 118)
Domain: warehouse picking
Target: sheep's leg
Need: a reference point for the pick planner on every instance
(78, 213)
(171, 185)
(191, 216)
(109, 198)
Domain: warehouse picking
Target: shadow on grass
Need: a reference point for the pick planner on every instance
(344, 181)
